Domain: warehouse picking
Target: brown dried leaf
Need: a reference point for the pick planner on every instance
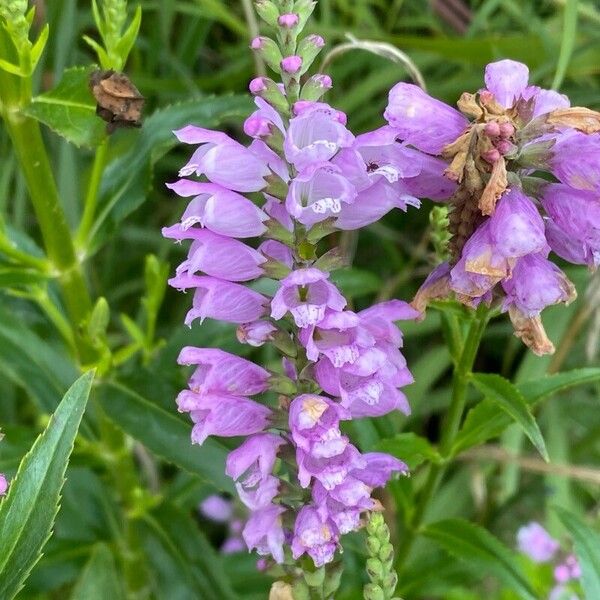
(495, 187)
(577, 117)
(531, 332)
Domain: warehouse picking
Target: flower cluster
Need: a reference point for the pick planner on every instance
(303, 480)
(535, 542)
(501, 151)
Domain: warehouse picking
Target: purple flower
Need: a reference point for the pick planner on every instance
(223, 160)
(291, 64)
(256, 333)
(217, 299)
(222, 414)
(492, 148)
(306, 293)
(217, 209)
(536, 542)
(315, 134)
(420, 120)
(216, 508)
(3, 484)
(315, 534)
(318, 193)
(220, 371)
(217, 255)
(264, 532)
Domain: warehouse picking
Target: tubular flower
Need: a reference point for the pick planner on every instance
(303, 481)
(506, 218)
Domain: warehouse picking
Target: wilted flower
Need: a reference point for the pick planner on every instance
(492, 148)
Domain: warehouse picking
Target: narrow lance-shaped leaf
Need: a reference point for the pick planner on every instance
(28, 512)
(99, 579)
(488, 420)
(164, 433)
(510, 399)
(587, 550)
(482, 551)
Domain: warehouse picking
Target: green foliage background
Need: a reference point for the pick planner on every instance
(128, 525)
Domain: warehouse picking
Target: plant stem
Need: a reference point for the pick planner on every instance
(37, 171)
(460, 379)
(91, 198)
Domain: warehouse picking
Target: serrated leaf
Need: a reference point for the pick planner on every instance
(69, 109)
(29, 510)
(99, 579)
(510, 399)
(487, 420)
(409, 448)
(127, 179)
(482, 551)
(587, 550)
(164, 433)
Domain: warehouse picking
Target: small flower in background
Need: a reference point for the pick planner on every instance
(506, 217)
(536, 543)
(3, 484)
(221, 510)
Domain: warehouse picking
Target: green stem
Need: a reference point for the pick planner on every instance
(91, 198)
(57, 318)
(37, 171)
(460, 380)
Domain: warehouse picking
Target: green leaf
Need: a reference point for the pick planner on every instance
(587, 550)
(567, 43)
(128, 39)
(410, 448)
(28, 512)
(481, 551)
(69, 109)
(99, 579)
(10, 277)
(165, 433)
(510, 399)
(127, 180)
(488, 420)
(38, 47)
(194, 561)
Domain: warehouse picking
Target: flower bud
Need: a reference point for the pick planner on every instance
(506, 130)
(315, 87)
(375, 569)
(268, 90)
(283, 385)
(492, 129)
(504, 146)
(288, 21)
(257, 127)
(268, 50)
(309, 49)
(373, 592)
(267, 11)
(255, 333)
(291, 64)
(491, 156)
(390, 581)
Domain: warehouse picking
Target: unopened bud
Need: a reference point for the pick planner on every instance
(506, 130)
(373, 592)
(316, 578)
(504, 147)
(288, 21)
(268, 50)
(375, 569)
(269, 91)
(492, 129)
(315, 87)
(291, 64)
(257, 127)
(309, 49)
(491, 156)
(267, 11)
